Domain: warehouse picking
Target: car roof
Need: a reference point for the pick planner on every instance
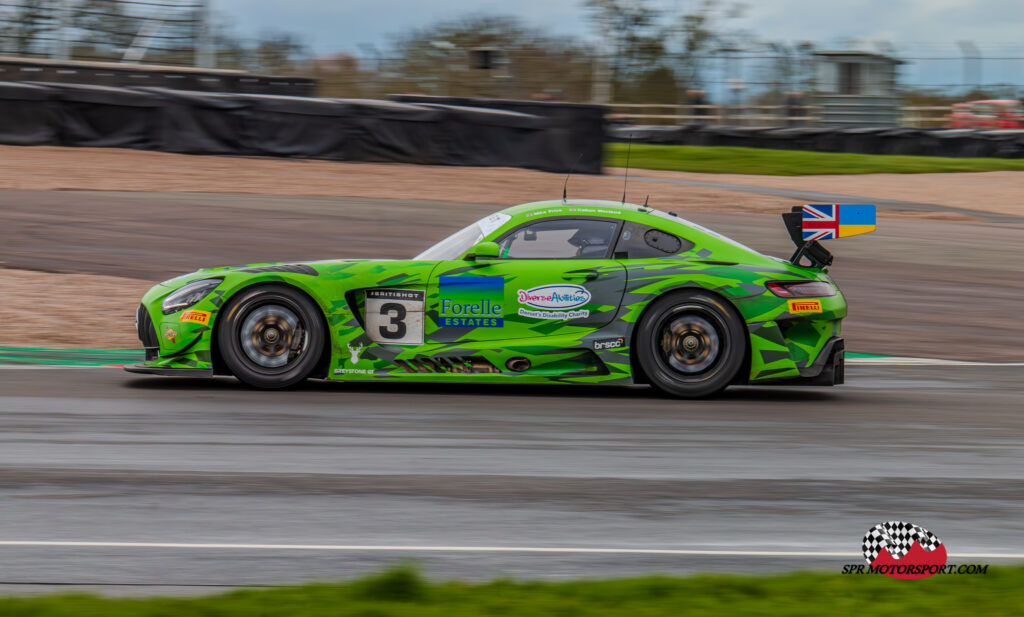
(595, 207)
(645, 215)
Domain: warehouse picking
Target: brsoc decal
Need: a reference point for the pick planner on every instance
(551, 298)
(471, 301)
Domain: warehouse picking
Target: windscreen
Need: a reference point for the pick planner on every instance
(455, 245)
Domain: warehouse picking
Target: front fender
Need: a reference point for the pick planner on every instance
(185, 338)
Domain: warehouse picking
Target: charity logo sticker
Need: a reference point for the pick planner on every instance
(554, 301)
(471, 301)
(554, 296)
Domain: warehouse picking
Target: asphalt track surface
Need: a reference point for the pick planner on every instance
(99, 455)
(213, 484)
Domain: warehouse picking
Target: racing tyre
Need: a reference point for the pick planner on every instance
(270, 336)
(690, 344)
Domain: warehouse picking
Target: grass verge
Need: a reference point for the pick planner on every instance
(728, 160)
(402, 592)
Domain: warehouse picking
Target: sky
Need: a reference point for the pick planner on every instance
(914, 27)
(333, 25)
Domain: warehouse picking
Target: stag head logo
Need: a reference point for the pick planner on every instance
(354, 350)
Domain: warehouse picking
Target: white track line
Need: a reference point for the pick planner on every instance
(467, 549)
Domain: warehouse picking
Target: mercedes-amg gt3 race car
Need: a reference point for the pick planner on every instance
(576, 291)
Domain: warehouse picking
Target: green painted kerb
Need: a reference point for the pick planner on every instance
(70, 357)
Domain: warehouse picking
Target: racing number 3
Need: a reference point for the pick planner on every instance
(395, 316)
(397, 320)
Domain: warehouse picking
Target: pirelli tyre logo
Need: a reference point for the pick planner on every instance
(805, 306)
(199, 317)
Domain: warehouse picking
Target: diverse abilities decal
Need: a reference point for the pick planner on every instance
(554, 302)
(471, 301)
(394, 316)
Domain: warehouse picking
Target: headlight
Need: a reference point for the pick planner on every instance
(188, 295)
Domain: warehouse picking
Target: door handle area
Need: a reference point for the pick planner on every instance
(580, 276)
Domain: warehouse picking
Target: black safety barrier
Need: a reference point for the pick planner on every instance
(895, 140)
(25, 115)
(578, 128)
(253, 124)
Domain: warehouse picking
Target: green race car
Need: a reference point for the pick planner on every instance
(576, 291)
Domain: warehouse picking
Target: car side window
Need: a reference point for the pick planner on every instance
(642, 242)
(560, 239)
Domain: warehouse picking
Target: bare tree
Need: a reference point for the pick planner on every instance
(106, 30)
(631, 32)
(27, 25)
(526, 62)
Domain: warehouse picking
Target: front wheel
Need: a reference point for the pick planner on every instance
(271, 336)
(690, 343)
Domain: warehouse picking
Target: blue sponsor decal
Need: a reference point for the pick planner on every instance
(471, 301)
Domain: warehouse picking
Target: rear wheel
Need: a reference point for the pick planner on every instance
(270, 337)
(690, 343)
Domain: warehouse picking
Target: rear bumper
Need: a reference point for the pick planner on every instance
(828, 369)
(160, 370)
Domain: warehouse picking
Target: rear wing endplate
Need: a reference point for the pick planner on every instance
(810, 223)
(815, 253)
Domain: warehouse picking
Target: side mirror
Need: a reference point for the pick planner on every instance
(483, 251)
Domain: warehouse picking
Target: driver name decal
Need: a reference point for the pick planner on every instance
(553, 302)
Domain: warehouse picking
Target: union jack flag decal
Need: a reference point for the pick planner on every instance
(826, 222)
(820, 223)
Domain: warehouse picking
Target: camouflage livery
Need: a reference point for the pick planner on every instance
(785, 341)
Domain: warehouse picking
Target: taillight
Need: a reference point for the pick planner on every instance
(801, 289)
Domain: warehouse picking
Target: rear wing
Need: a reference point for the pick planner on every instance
(810, 223)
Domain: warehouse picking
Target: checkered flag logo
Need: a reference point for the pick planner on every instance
(897, 537)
